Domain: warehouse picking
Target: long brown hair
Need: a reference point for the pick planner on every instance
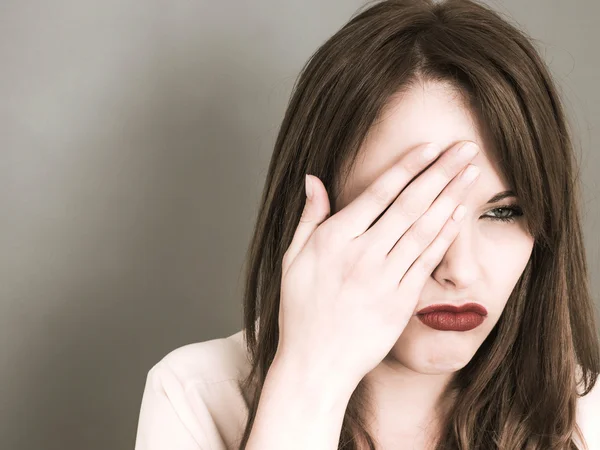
(519, 391)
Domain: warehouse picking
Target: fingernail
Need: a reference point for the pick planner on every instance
(470, 173)
(431, 151)
(308, 186)
(469, 150)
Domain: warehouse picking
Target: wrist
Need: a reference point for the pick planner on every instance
(317, 388)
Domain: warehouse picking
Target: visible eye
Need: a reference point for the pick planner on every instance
(506, 213)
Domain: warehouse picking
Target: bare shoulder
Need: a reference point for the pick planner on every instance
(588, 416)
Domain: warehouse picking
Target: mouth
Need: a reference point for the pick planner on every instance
(446, 307)
(446, 317)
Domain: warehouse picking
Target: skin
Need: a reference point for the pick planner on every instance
(482, 264)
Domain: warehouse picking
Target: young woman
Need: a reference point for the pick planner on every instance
(373, 317)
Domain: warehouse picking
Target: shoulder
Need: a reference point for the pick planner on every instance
(588, 416)
(210, 361)
(193, 397)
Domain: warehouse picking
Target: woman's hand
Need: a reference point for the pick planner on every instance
(350, 282)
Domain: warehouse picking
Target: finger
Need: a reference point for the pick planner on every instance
(426, 230)
(414, 201)
(358, 215)
(316, 210)
(412, 283)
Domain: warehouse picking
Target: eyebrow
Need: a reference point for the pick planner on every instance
(501, 195)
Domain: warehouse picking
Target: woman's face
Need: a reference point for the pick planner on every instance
(488, 256)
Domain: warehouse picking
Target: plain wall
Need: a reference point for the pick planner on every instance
(134, 143)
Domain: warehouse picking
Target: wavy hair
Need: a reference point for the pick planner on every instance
(519, 391)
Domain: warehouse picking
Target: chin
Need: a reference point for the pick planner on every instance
(430, 351)
(430, 361)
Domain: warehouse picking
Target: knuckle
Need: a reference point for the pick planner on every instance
(379, 193)
(446, 171)
(326, 234)
(409, 207)
(434, 253)
(425, 230)
(447, 204)
(364, 265)
(441, 243)
(306, 215)
(413, 165)
(361, 262)
(429, 259)
(322, 235)
(427, 264)
(372, 252)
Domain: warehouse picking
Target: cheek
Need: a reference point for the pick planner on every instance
(504, 256)
(504, 253)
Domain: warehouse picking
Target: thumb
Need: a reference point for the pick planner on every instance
(316, 210)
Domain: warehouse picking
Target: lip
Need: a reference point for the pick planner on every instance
(467, 307)
(447, 317)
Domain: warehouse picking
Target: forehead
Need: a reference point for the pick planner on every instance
(430, 112)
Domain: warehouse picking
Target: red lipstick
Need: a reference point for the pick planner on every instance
(446, 317)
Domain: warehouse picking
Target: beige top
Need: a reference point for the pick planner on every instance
(193, 401)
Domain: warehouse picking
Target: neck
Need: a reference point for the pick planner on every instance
(406, 406)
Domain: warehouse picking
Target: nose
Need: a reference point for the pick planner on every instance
(458, 268)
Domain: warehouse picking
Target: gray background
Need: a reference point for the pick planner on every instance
(135, 138)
